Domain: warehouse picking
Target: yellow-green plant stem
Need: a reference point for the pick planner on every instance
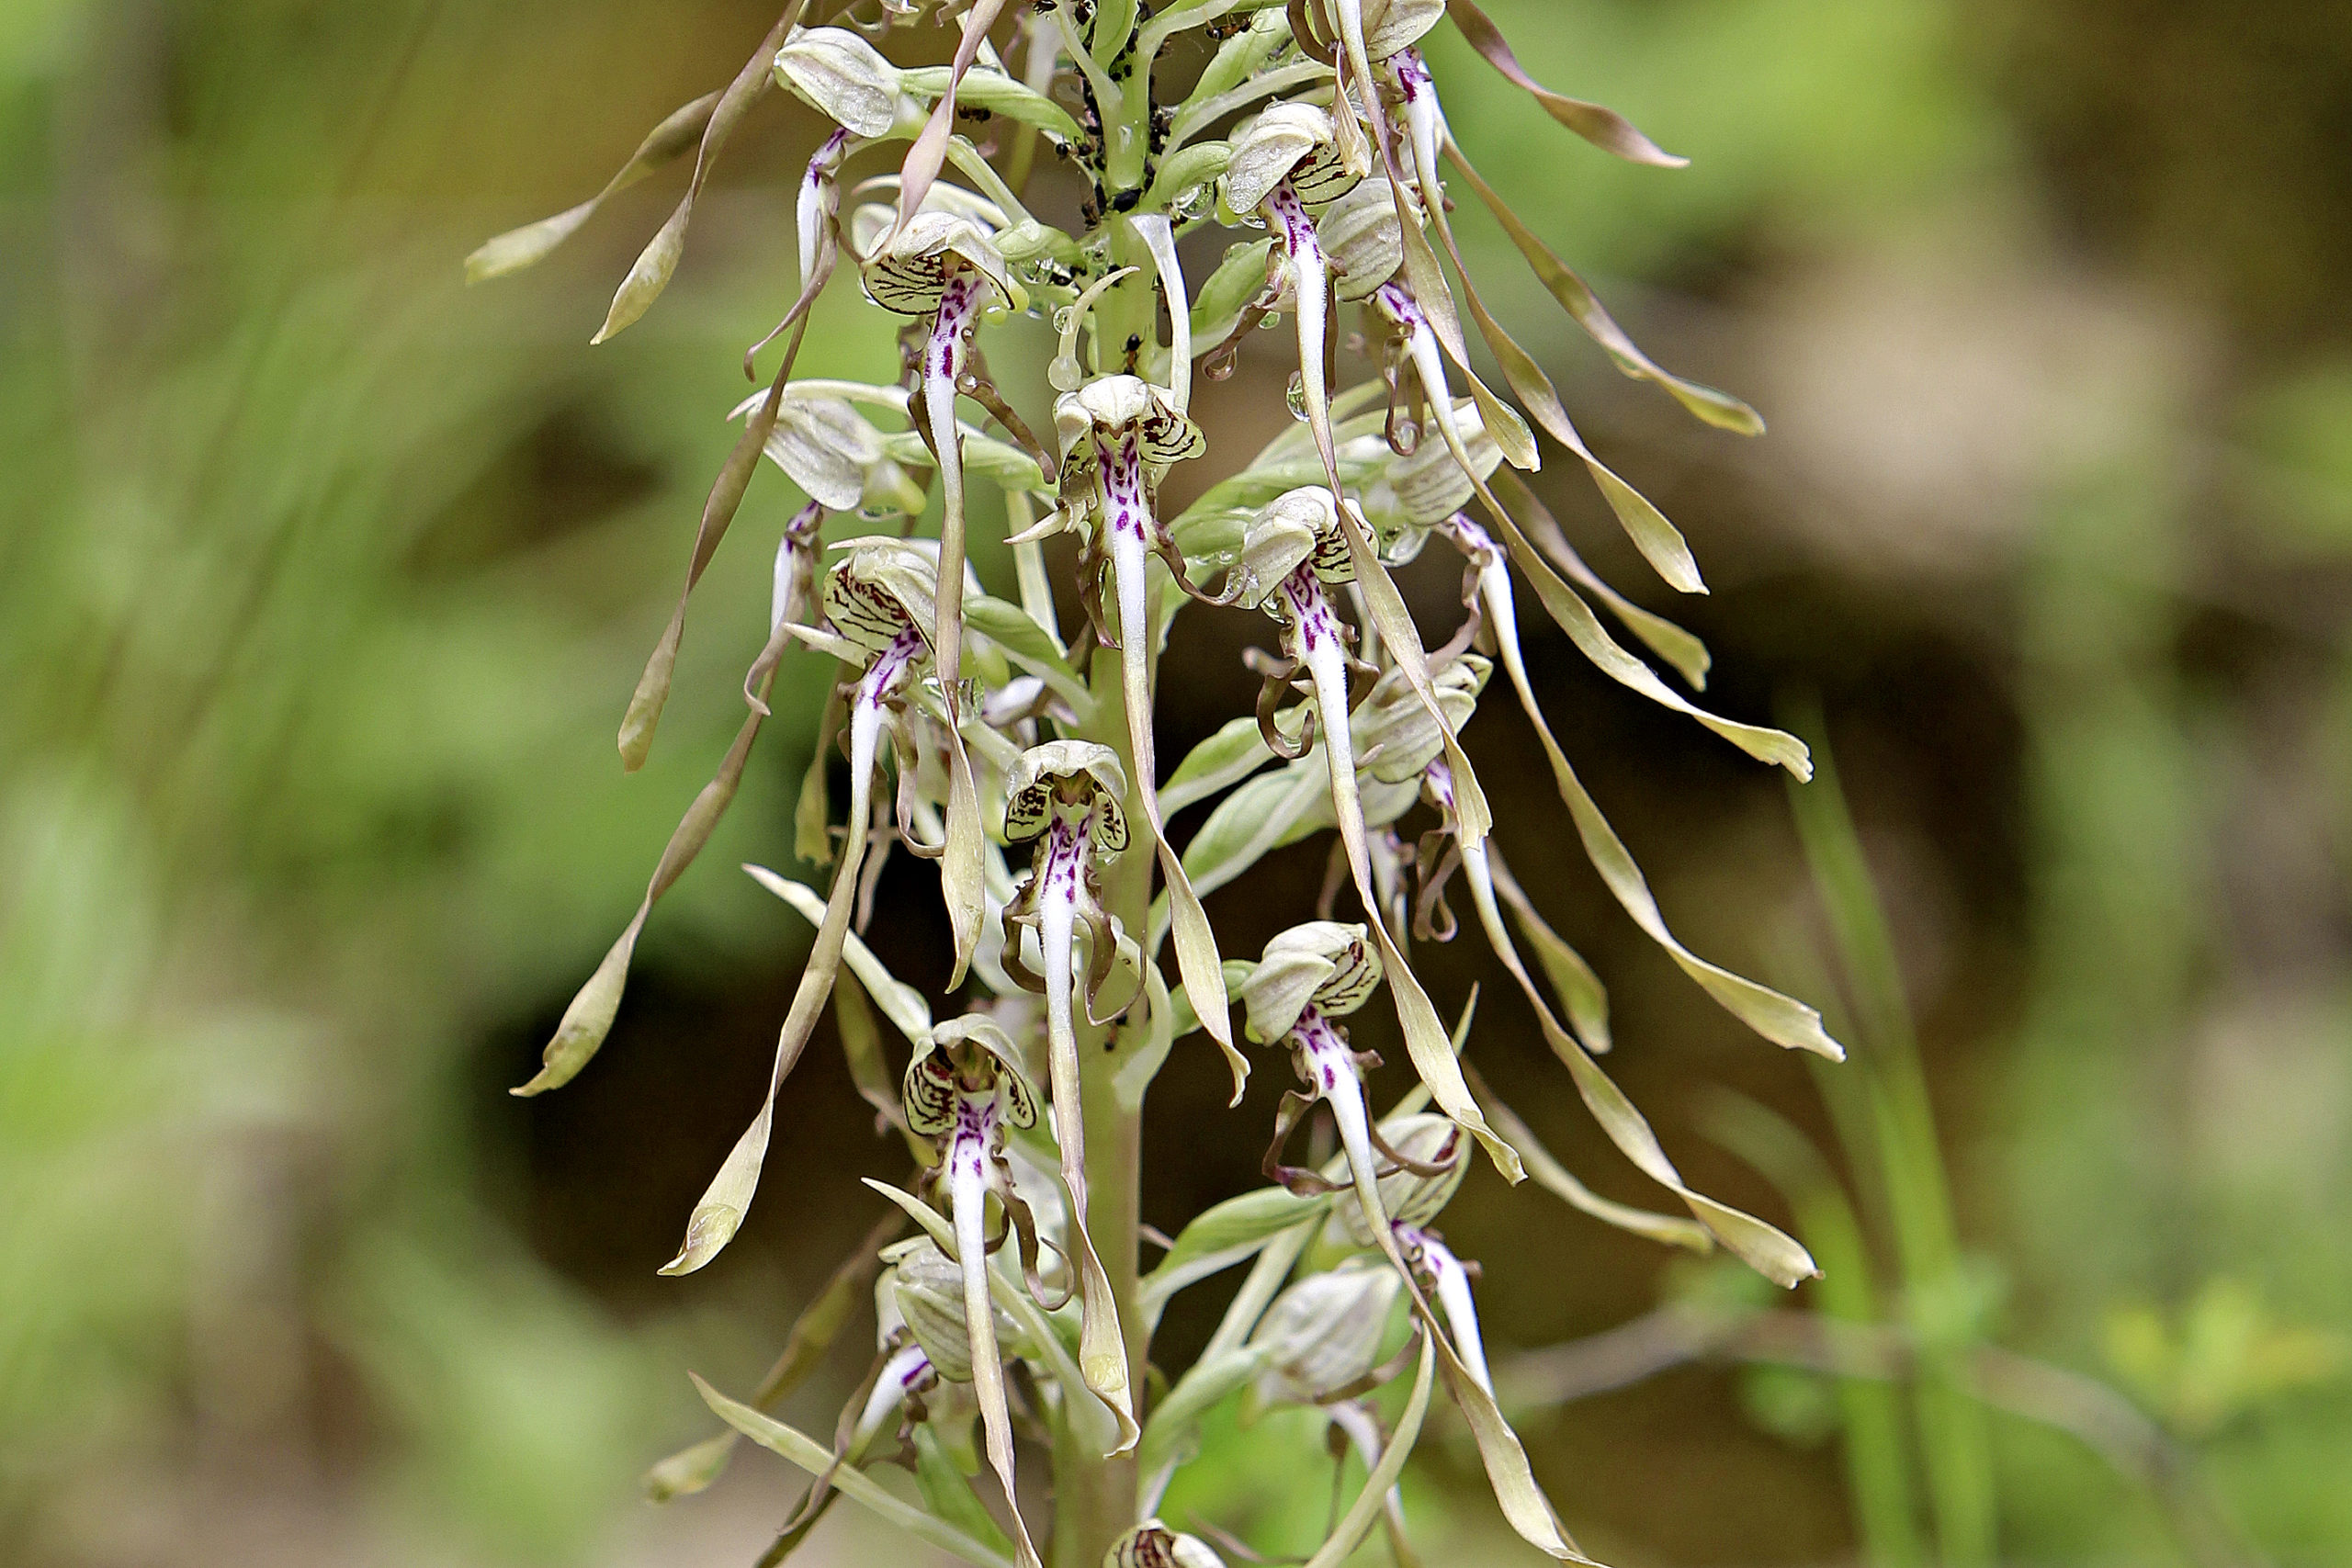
(1885, 1111)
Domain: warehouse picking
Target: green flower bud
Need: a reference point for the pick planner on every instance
(927, 1293)
(1240, 277)
(1297, 526)
(1324, 1333)
(1363, 238)
(1322, 963)
(1396, 738)
(1431, 486)
(1390, 25)
(992, 90)
(1285, 142)
(825, 445)
(1408, 1197)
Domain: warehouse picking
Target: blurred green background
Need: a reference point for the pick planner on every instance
(323, 580)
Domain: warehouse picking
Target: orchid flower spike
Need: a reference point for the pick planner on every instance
(1315, 123)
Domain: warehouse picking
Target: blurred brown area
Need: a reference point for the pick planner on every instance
(325, 580)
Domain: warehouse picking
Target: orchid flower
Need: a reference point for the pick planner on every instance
(965, 1092)
(1283, 161)
(1068, 796)
(1310, 977)
(1152, 1544)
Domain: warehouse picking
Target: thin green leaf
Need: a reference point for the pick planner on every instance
(1173, 1430)
(1226, 1234)
(651, 274)
(526, 246)
(719, 1213)
(1402, 638)
(1507, 1472)
(996, 93)
(1580, 989)
(1364, 1512)
(860, 1488)
(948, 1494)
(1262, 816)
(1258, 1288)
(1685, 652)
(1030, 646)
(812, 839)
(1224, 760)
(869, 1070)
(1554, 1177)
(1717, 408)
(1604, 128)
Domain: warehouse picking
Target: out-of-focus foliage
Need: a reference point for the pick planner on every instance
(322, 580)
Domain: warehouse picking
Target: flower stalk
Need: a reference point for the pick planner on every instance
(1318, 123)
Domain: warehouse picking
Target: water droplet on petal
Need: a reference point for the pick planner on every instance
(1294, 394)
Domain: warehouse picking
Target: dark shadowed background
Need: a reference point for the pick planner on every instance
(323, 579)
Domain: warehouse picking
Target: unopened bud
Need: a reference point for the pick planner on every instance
(1395, 735)
(1363, 238)
(1284, 141)
(929, 1294)
(1410, 1197)
(1430, 485)
(1324, 1333)
(825, 446)
(1390, 25)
